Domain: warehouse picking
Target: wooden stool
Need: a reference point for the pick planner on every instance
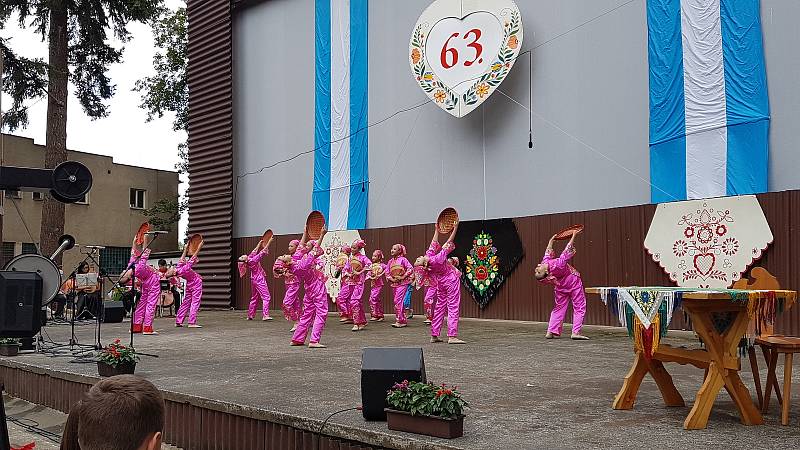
(772, 347)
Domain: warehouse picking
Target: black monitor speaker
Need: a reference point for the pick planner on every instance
(381, 368)
(113, 312)
(20, 304)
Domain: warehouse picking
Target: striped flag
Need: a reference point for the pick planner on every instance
(341, 176)
(709, 111)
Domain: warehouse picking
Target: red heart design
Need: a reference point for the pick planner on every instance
(704, 263)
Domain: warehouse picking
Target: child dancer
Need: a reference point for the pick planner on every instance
(151, 287)
(567, 286)
(401, 283)
(194, 289)
(258, 281)
(376, 280)
(357, 280)
(345, 289)
(315, 302)
(292, 302)
(448, 288)
(430, 287)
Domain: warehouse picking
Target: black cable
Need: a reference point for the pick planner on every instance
(33, 426)
(325, 422)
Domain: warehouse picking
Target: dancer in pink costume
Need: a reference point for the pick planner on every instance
(292, 303)
(376, 281)
(448, 287)
(567, 287)
(401, 282)
(430, 288)
(315, 302)
(357, 280)
(194, 289)
(345, 288)
(150, 280)
(258, 280)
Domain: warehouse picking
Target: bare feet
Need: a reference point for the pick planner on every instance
(399, 325)
(455, 340)
(315, 345)
(579, 337)
(356, 328)
(550, 335)
(435, 339)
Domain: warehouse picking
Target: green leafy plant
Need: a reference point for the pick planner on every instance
(9, 341)
(116, 354)
(427, 399)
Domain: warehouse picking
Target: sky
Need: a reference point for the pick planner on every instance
(124, 134)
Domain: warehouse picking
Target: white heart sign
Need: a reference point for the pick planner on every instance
(462, 50)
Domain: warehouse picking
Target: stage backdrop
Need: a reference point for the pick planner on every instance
(610, 253)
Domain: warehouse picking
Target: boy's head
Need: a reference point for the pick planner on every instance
(541, 272)
(124, 412)
(162, 263)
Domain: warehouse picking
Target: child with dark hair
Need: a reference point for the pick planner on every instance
(124, 412)
(567, 287)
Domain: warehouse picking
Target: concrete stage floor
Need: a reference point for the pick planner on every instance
(525, 392)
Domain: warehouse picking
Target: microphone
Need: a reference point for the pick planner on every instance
(156, 232)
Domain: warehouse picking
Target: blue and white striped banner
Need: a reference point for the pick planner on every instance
(709, 110)
(341, 175)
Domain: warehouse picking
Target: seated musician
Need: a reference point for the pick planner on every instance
(59, 302)
(87, 294)
(168, 273)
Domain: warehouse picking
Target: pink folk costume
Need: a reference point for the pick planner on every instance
(193, 293)
(402, 287)
(151, 290)
(258, 283)
(567, 286)
(430, 287)
(292, 303)
(345, 289)
(448, 290)
(357, 282)
(315, 302)
(375, 306)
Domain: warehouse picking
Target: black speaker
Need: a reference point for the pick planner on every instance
(20, 304)
(113, 312)
(381, 368)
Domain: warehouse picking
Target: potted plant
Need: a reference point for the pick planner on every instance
(9, 347)
(116, 359)
(425, 408)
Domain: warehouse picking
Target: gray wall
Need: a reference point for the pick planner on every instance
(590, 103)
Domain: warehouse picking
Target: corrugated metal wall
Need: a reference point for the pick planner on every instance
(610, 253)
(211, 143)
(186, 426)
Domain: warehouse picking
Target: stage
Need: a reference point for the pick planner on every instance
(524, 391)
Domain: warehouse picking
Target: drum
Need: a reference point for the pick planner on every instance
(51, 276)
(166, 299)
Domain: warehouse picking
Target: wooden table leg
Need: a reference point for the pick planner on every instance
(748, 411)
(751, 353)
(663, 379)
(630, 387)
(787, 389)
(698, 416)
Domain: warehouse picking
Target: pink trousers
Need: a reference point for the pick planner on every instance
(258, 286)
(430, 300)
(375, 306)
(146, 308)
(448, 297)
(315, 310)
(356, 306)
(292, 302)
(343, 299)
(399, 298)
(191, 303)
(562, 300)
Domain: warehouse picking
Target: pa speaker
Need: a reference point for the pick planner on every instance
(20, 304)
(381, 368)
(113, 312)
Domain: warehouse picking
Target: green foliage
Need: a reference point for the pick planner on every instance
(165, 213)
(426, 399)
(89, 53)
(9, 341)
(116, 354)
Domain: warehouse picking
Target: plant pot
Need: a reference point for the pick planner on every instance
(9, 350)
(107, 370)
(427, 425)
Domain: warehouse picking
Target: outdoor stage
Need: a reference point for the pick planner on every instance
(525, 392)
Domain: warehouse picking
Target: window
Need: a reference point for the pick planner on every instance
(138, 198)
(29, 249)
(13, 194)
(8, 251)
(114, 259)
(84, 200)
(38, 196)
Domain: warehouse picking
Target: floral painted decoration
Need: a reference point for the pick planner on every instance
(481, 265)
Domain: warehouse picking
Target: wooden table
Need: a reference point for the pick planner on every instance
(720, 360)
